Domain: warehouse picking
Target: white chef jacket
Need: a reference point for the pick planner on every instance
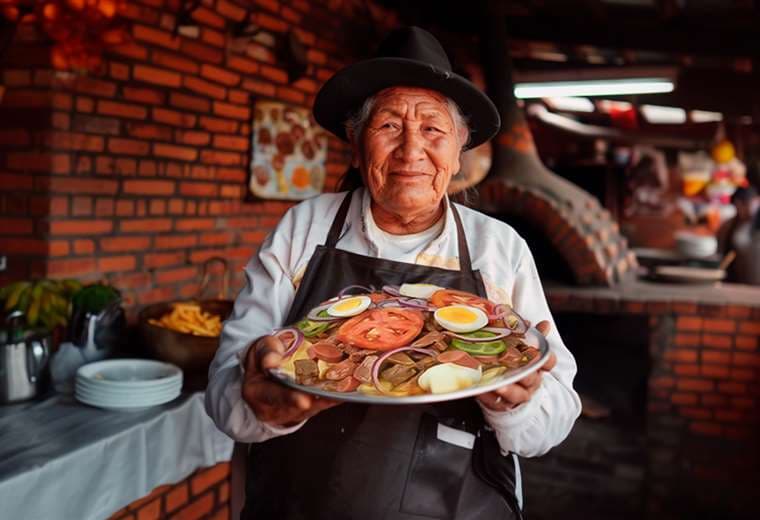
(273, 276)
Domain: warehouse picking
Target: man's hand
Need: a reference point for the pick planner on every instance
(509, 396)
(272, 402)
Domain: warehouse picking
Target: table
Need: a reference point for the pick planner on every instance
(62, 459)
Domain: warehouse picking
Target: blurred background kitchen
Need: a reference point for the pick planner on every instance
(147, 147)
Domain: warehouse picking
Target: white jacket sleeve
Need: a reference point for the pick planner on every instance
(260, 307)
(533, 428)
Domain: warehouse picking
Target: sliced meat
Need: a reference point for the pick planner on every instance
(511, 358)
(364, 371)
(425, 363)
(397, 374)
(529, 352)
(401, 358)
(347, 384)
(340, 370)
(327, 352)
(428, 339)
(458, 357)
(307, 371)
(488, 360)
(409, 387)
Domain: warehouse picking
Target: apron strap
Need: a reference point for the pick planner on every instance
(339, 220)
(465, 263)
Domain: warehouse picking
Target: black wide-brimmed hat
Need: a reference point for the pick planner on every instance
(410, 57)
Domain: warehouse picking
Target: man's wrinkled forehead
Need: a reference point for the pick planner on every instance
(420, 98)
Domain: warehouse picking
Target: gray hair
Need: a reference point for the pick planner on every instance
(355, 123)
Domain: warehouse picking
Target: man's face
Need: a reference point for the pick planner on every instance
(409, 150)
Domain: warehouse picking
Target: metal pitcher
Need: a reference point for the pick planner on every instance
(23, 359)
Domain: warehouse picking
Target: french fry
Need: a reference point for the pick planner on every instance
(190, 319)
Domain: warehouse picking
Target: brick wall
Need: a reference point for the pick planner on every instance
(204, 494)
(703, 419)
(137, 174)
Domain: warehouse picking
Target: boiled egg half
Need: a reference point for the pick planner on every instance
(349, 306)
(418, 290)
(448, 377)
(461, 318)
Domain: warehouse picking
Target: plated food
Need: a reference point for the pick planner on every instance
(411, 342)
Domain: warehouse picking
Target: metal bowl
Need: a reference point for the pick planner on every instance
(192, 354)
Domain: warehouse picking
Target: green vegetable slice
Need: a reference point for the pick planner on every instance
(312, 328)
(481, 348)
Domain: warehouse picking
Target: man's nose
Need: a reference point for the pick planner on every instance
(411, 148)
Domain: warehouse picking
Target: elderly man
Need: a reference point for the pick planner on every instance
(407, 118)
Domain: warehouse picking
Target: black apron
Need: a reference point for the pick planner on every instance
(363, 462)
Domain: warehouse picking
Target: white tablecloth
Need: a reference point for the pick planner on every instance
(60, 459)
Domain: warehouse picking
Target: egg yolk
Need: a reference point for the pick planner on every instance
(347, 305)
(457, 315)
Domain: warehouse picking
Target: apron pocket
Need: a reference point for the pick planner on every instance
(436, 473)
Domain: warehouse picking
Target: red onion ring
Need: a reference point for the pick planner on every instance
(415, 303)
(297, 339)
(393, 290)
(381, 359)
(316, 310)
(390, 302)
(345, 290)
(500, 333)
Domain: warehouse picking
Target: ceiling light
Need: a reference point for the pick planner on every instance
(607, 105)
(703, 116)
(609, 87)
(570, 104)
(663, 115)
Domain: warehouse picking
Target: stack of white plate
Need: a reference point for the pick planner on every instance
(127, 384)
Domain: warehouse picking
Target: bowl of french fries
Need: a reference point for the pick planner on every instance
(184, 333)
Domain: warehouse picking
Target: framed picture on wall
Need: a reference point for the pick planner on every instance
(288, 152)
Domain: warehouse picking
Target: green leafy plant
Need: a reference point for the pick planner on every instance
(45, 303)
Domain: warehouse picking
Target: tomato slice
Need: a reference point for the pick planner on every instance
(446, 297)
(382, 329)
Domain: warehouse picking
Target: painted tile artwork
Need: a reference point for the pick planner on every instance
(289, 153)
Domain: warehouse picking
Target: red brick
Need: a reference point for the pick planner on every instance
(241, 64)
(274, 74)
(154, 225)
(197, 509)
(149, 131)
(270, 22)
(290, 15)
(310, 86)
(746, 359)
(84, 247)
(199, 189)
(682, 398)
(208, 17)
(221, 158)
(116, 263)
(81, 206)
(151, 511)
(716, 341)
(193, 137)
(171, 276)
(75, 141)
(745, 342)
(208, 477)
(220, 75)
(157, 492)
(119, 71)
(686, 370)
(695, 413)
(59, 248)
(687, 340)
(125, 208)
(172, 117)
(272, 5)
(80, 227)
(185, 102)
(732, 388)
(239, 112)
(230, 10)
(742, 374)
(316, 57)
(26, 246)
(214, 124)
(714, 356)
(112, 108)
(149, 187)
(128, 243)
(253, 237)
(182, 153)
(706, 428)
(221, 514)
(157, 76)
(715, 371)
(232, 191)
(202, 52)
(213, 37)
(176, 206)
(683, 355)
(151, 35)
(719, 325)
(696, 385)
(94, 87)
(131, 50)
(157, 206)
(128, 146)
(154, 260)
(714, 400)
(71, 267)
(85, 104)
(219, 238)
(224, 493)
(177, 497)
(175, 241)
(689, 323)
(174, 61)
(293, 96)
(662, 382)
(749, 327)
(259, 87)
(194, 224)
(144, 95)
(201, 86)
